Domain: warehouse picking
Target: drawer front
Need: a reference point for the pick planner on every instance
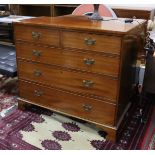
(102, 86)
(94, 42)
(78, 106)
(37, 35)
(91, 62)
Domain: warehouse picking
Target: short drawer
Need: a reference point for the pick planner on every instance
(80, 82)
(37, 35)
(87, 61)
(71, 104)
(94, 42)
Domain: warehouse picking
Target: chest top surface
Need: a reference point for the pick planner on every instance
(108, 25)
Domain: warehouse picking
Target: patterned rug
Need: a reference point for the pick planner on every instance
(134, 126)
(148, 142)
(31, 130)
(37, 128)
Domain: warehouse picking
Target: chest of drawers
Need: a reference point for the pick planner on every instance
(78, 67)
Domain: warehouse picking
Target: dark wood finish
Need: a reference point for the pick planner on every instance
(62, 101)
(31, 9)
(63, 9)
(21, 105)
(42, 9)
(69, 80)
(147, 13)
(129, 43)
(6, 32)
(60, 80)
(139, 12)
(95, 62)
(35, 10)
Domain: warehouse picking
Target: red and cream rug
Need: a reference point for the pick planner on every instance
(49, 131)
(148, 142)
(38, 128)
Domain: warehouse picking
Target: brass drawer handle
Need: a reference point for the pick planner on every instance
(87, 83)
(87, 107)
(37, 73)
(88, 61)
(38, 93)
(36, 35)
(36, 53)
(89, 41)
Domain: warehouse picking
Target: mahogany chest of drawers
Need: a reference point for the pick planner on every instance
(78, 67)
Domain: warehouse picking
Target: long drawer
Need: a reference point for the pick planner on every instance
(94, 42)
(70, 80)
(86, 108)
(88, 61)
(37, 35)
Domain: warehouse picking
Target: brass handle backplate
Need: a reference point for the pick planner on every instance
(37, 73)
(36, 35)
(38, 93)
(89, 41)
(87, 83)
(88, 61)
(87, 107)
(36, 53)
